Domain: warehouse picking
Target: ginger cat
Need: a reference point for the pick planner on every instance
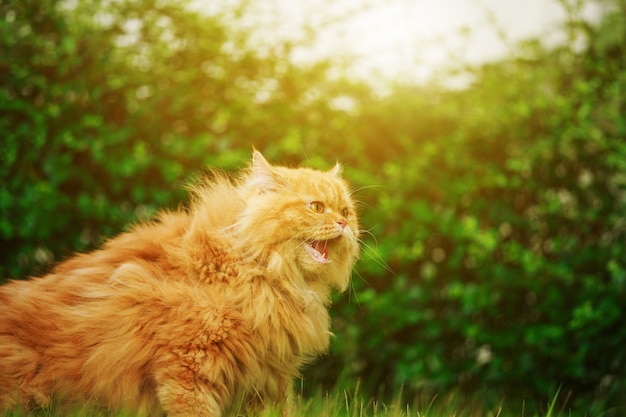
(181, 315)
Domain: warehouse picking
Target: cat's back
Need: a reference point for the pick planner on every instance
(147, 242)
(39, 300)
(144, 244)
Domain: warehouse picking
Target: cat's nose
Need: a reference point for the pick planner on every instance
(342, 223)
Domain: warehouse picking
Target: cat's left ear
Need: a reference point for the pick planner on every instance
(337, 169)
(264, 176)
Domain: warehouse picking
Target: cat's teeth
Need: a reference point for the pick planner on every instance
(318, 254)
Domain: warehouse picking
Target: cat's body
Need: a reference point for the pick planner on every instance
(183, 314)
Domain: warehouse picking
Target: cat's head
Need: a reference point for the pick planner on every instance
(300, 219)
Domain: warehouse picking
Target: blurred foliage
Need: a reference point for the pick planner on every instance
(499, 211)
(107, 109)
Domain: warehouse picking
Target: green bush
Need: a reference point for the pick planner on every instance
(494, 215)
(109, 110)
(501, 210)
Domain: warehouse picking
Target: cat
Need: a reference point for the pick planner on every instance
(181, 315)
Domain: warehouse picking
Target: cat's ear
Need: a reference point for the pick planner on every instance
(264, 176)
(337, 169)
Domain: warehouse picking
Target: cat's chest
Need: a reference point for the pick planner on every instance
(288, 321)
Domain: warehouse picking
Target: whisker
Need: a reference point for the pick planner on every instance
(369, 232)
(378, 259)
(363, 204)
(366, 187)
(229, 228)
(362, 277)
(293, 249)
(308, 161)
(352, 290)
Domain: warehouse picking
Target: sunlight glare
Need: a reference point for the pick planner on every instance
(405, 40)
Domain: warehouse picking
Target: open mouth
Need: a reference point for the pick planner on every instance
(318, 249)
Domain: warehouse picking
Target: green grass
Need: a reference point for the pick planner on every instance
(349, 403)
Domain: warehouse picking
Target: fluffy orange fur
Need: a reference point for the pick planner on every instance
(181, 315)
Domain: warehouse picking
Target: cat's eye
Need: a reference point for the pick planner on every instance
(344, 212)
(316, 207)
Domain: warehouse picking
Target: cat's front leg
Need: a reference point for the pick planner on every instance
(200, 376)
(285, 397)
(182, 399)
(185, 390)
(276, 394)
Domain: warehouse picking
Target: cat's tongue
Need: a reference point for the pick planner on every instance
(318, 251)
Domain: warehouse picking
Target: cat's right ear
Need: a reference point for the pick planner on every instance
(264, 176)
